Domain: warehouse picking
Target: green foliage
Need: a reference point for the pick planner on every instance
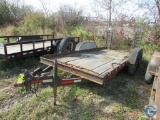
(13, 67)
(35, 23)
(32, 23)
(131, 96)
(11, 13)
(5, 14)
(80, 32)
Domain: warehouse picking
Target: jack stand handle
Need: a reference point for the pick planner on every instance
(55, 68)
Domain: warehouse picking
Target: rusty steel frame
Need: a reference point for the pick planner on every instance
(155, 95)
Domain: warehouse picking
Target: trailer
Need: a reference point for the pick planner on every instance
(34, 45)
(94, 65)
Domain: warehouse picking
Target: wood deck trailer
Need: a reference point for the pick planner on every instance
(47, 45)
(95, 65)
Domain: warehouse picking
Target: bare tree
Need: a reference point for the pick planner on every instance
(158, 7)
(69, 16)
(108, 7)
(45, 8)
(151, 8)
(152, 12)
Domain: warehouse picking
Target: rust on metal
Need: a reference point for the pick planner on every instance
(155, 95)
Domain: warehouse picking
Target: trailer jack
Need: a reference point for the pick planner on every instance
(31, 80)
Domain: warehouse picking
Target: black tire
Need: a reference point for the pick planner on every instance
(133, 67)
(67, 45)
(148, 77)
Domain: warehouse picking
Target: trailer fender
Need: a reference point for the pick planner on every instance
(136, 53)
(134, 60)
(67, 45)
(152, 67)
(85, 46)
(56, 44)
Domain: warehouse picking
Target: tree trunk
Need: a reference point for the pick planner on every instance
(110, 12)
(158, 7)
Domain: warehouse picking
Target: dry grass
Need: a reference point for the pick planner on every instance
(123, 97)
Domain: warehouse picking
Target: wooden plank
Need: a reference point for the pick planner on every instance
(98, 62)
(106, 67)
(74, 57)
(111, 68)
(69, 59)
(89, 63)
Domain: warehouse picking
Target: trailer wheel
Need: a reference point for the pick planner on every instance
(133, 67)
(67, 45)
(148, 77)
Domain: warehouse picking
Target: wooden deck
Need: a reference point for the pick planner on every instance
(99, 62)
(29, 46)
(91, 65)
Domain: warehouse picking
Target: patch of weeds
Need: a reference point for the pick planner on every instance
(131, 96)
(2, 40)
(31, 107)
(71, 95)
(81, 92)
(63, 74)
(3, 96)
(60, 110)
(143, 117)
(44, 94)
(13, 67)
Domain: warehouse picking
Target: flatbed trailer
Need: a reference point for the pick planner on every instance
(30, 48)
(95, 65)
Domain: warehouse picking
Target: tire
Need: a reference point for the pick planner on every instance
(148, 77)
(133, 67)
(67, 45)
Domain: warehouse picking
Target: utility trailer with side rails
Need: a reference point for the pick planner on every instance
(95, 65)
(35, 45)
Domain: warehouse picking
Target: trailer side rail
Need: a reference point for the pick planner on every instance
(30, 48)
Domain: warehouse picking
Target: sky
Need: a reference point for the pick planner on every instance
(86, 5)
(54, 5)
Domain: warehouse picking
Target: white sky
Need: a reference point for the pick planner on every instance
(86, 5)
(53, 5)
